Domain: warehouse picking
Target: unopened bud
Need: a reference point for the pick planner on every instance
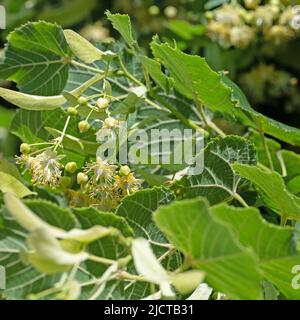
(171, 12)
(82, 178)
(72, 111)
(82, 101)
(25, 148)
(153, 10)
(83, 126)
(71, 167)
(102, 103)
(124, 171)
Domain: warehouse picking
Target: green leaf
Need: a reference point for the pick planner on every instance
(8, 167)
(292, 163)
(107, 247)
(68, 13)
(122, 23)
(248, 116)
(128, 105)
(194, 78)
(218, 181)
(10, 184)
(186, 30)
(154, 69)
(294, 185)
(37, 58)
(137, 210)
(274, 246)
(210, 246)
(271, 185)
(52, 214)
(30, 126)
(22, 280)
(197, 81)
(273, 147)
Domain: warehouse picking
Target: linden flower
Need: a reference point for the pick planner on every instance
(24, 159)
(110, 123)
(241, 36)
(100, 171)
(128, 184)
(45, 168)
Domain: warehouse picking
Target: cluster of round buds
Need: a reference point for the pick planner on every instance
(102, 103)
(238, 26)
(83, 126)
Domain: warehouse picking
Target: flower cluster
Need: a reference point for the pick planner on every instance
(105, 184)
(238, 26)
(264, 82)
(101, 184)
(45, 168)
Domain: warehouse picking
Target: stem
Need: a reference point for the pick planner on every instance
(63, 133)
(214, 127)
(163, 245)
(40, 144)
(123, 275)
(128, 74)
(147, 79)
(267, 151)
(46, 293)
(82, 65)
(237, 197)
(180, 116)
(101, 260)
(283, 220)
(282, 163)
(199, 106)
(153, 104)
(166, 254)
(39, 151)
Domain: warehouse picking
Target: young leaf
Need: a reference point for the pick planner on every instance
(154, 69)
(83, 49)
(275, 246)
(43, 58)
(188, 281)
(203, 292)
(108, 247)
(10, 184)
(272, 187)
(32, 102)
(210, 246)
(48, 256)
(31, 222)
(122, 23)
(147, 265)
